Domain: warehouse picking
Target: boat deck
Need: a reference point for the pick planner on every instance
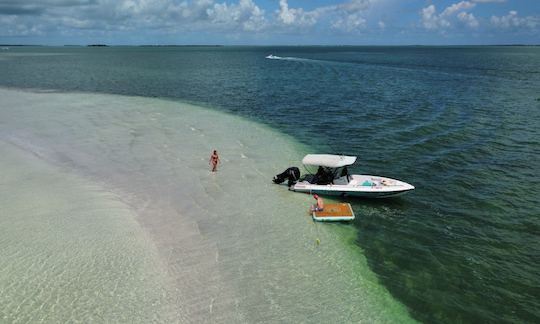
(334, 213)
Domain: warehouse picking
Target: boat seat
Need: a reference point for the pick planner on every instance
(341, 181)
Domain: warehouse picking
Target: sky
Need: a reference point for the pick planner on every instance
(269, 22)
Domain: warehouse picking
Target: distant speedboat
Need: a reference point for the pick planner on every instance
(272, 57)
(333, 178)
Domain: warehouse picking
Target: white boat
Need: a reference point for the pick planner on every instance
(272, 57)
(333, 178)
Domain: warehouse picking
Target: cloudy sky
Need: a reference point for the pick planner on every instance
(259, 22)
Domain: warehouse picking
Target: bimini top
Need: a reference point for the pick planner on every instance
(328, 160)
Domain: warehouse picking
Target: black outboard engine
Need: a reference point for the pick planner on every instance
(292, 174)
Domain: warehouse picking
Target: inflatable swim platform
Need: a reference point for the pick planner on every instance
(334, 213)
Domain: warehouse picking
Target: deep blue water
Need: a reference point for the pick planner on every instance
(460, 123)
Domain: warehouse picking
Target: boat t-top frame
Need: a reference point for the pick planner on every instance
(331, 167)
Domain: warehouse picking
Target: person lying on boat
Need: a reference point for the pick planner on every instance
(319, 206)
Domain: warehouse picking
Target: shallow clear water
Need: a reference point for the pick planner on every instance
(461, 124)
(229, 247)
(72, 251)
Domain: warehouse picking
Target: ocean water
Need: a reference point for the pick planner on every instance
(459, 123)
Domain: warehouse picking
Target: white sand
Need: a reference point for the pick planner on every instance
(235, 247)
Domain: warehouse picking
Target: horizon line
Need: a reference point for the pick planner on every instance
(259, 45)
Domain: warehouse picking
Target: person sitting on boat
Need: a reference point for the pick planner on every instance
(319, 206)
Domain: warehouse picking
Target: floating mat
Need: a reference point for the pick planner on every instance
(334, 213)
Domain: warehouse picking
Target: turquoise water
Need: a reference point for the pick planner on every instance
(109, 203)
(461, 124)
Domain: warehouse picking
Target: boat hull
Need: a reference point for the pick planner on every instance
(345, 193)
(378, 187)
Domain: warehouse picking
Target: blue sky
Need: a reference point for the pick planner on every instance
(269, 22)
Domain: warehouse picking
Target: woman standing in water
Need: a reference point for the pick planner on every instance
(214, 160)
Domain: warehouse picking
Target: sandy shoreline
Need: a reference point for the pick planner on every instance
(236, 247)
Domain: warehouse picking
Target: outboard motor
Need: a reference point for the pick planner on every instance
(292, 174)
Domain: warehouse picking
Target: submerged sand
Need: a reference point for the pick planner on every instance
(224, 247)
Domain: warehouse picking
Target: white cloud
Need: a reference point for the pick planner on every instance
(234, 18)
(173, 16)
(344, 16)
(452, 9)
(431, 20)
(468, 19)
(296, 16)
(349, 23)
(72, 15)
(285, 15)
(245, 15)
(354, 6)
(512, 20)
(348, 16)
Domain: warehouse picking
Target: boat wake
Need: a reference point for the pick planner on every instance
(274, 57)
